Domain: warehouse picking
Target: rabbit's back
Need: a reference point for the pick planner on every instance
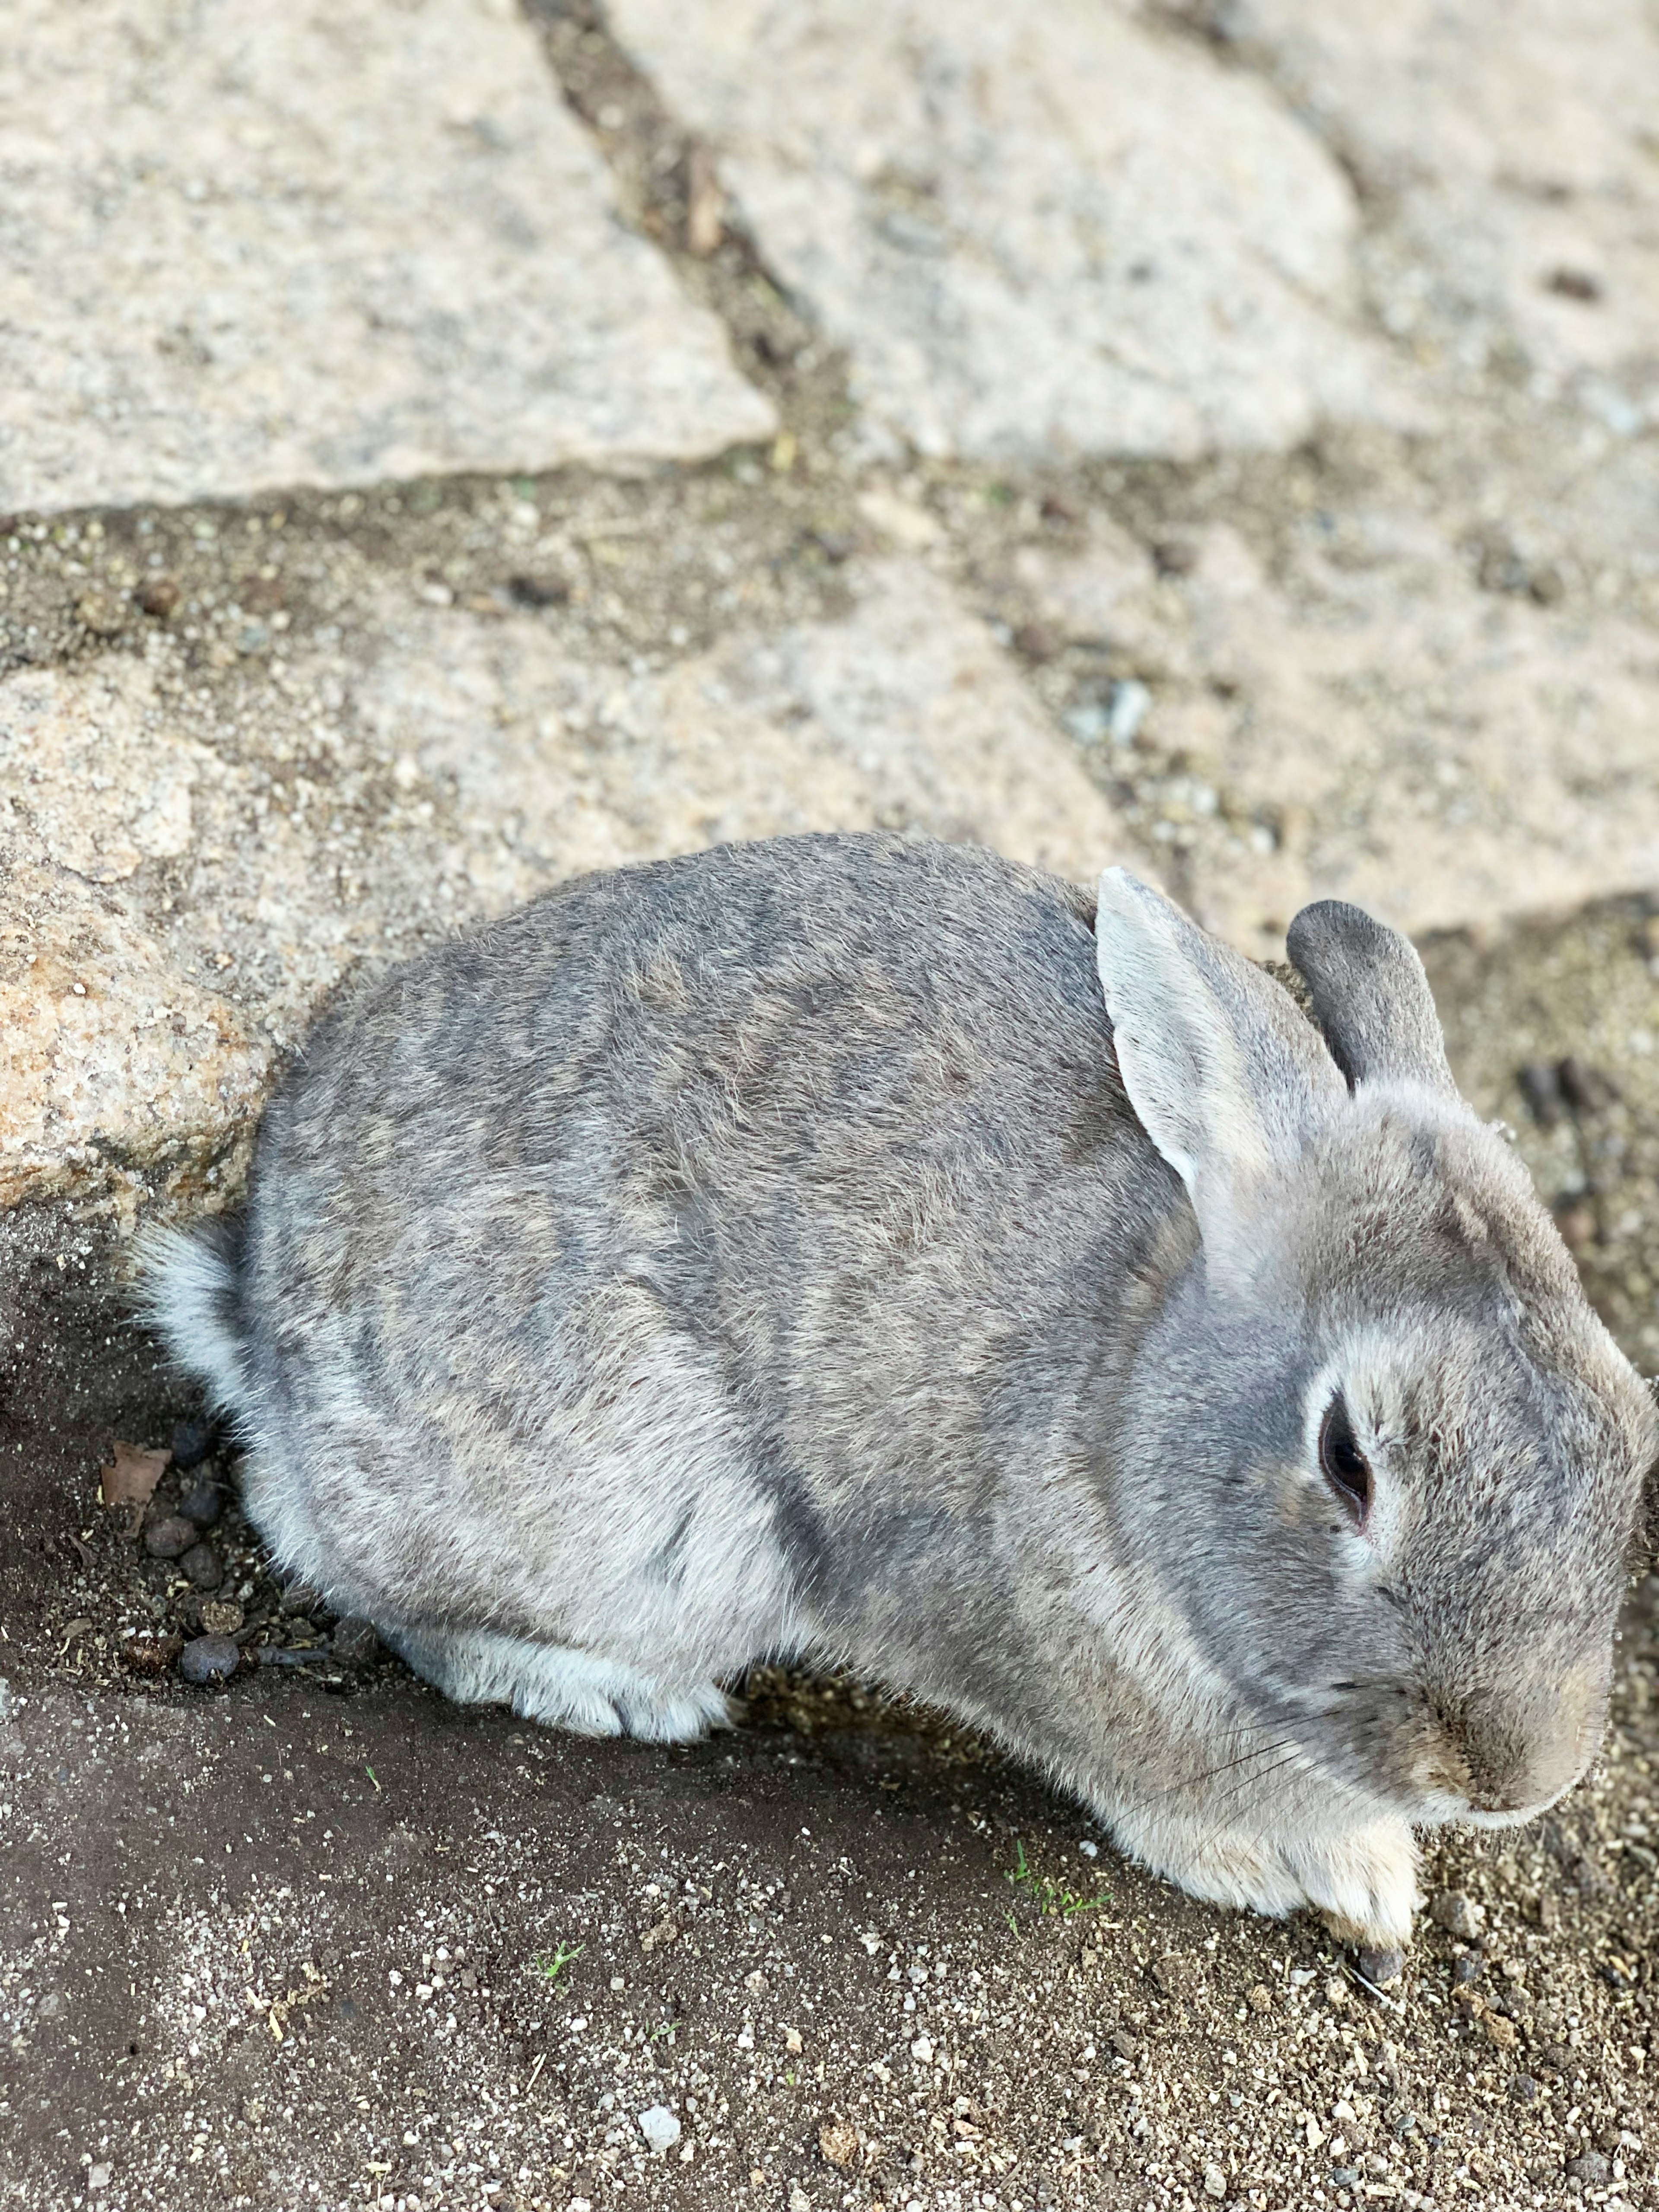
(694, 1247)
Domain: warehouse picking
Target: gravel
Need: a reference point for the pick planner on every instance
(660, 2127)
(202, 1504)
(1458, 1914)
(201, 1566)
(208, 1659)
(170, 1537)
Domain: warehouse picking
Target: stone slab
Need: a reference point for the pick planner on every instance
(1366, 725)
(184, 877)
(1511, 151)
(1040, 233)
(244, 247)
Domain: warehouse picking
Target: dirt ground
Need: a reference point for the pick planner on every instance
(314, 1938)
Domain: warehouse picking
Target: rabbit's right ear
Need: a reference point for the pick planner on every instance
(1225, 1076)
(1371, 997)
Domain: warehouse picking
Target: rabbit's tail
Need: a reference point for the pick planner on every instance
(190, 1292)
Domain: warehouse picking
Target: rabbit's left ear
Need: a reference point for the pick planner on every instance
(1225, 1076)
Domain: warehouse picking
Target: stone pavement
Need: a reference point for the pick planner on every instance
(1217, 439)
(242, 246)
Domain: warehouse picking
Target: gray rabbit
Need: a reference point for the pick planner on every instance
(872, 1251)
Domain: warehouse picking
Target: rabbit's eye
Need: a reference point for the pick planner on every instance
(1344, 1466)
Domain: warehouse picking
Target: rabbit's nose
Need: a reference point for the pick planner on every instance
(1520, 1754)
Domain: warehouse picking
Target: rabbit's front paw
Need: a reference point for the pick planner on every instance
(1363, 1882)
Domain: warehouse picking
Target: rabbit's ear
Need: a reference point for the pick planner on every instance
(1227, 1076)
(1371, 997)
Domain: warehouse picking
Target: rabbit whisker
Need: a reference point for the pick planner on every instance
(1229, 1765)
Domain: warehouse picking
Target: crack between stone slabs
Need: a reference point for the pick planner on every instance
(669, 193)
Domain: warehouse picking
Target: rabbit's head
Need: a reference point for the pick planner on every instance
(1387, 1462)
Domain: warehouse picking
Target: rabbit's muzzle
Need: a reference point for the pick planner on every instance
(1500, 1757)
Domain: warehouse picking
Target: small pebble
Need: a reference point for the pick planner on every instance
(1587, 1090)
(1523, 2090)
(355, 1642)
(203, 1503)
(191, 1443)
(159, 596)
(1035, 641)
(100, 613)
(838, 2139)
(1381, 1967)
(1578, 1224)
(1468, 1969)
(1541, 1086)
(200, 1565)
(208, 1659)
(1589, 2167)
(660, 2127)
(171, 1537)
(1458, 1914)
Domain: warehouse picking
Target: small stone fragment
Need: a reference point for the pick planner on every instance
(1035, 641)
(171, 1537)
(191, 1443)
(203, 1503)
(1541, 1086)
(1578, 1224)
(1123, 2043)
(838, 2139)
(660, 2127)
(1587, 1090)
(1459, 1915)
(1590, 2168)
(1215, 2182)
(1468, 1969)
(1261, 1998)
(537, 591)
(1523, 2090)
(200, 1565)
(208, 1659)
(159, 597)
(355, 1642)
(103, 615)
(1380, 1967)
(150, 1655)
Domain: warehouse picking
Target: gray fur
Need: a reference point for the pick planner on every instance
(759, 1252)
(1371, 997)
